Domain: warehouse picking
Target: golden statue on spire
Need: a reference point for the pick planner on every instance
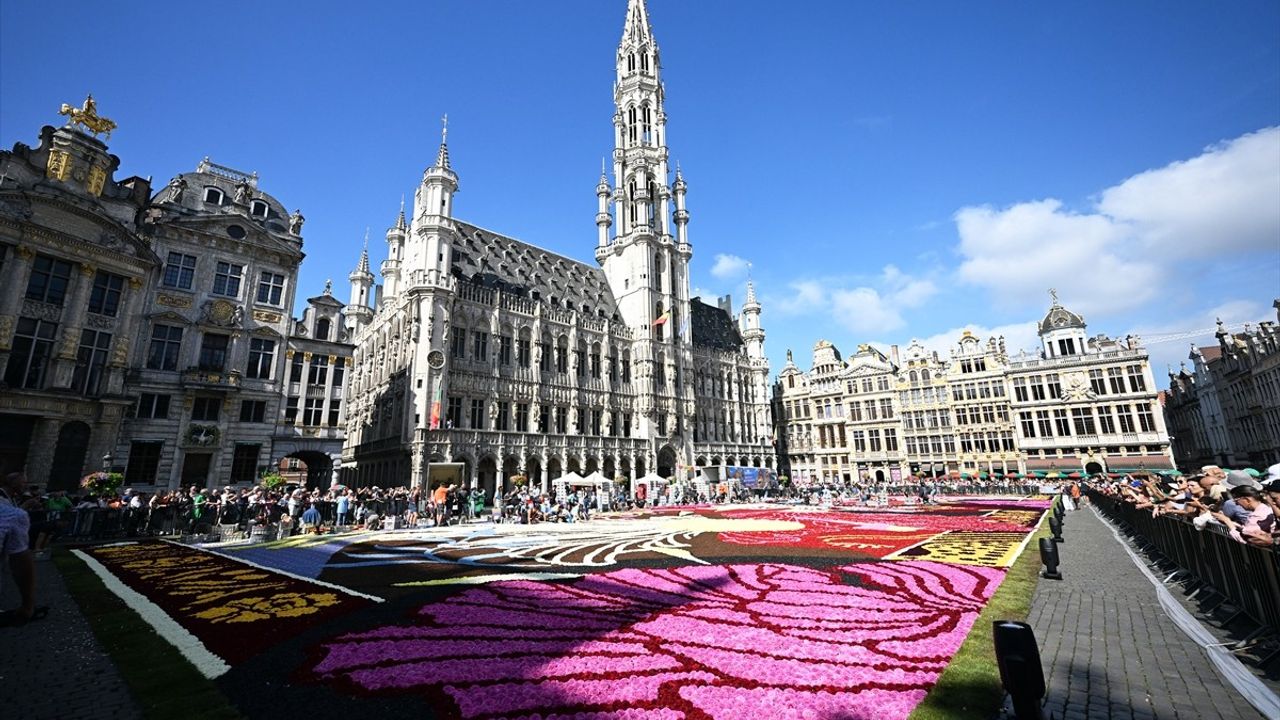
(87, 115)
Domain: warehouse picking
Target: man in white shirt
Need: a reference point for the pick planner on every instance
(15, 527)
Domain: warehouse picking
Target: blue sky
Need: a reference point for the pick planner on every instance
(891, 170)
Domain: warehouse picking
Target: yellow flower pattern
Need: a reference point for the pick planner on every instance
(252, 609)
(213, 589)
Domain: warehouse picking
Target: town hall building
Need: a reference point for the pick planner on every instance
(480, 357)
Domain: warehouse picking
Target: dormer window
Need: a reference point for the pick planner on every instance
(322, 329)
(213, 196)
(258, 208)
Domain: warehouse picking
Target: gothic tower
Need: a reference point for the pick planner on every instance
(646, 265)
(359, 311)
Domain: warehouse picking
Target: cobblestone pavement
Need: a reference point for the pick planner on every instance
(1109, 650)
(55, 668)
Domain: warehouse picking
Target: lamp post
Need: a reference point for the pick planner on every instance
(106, 462)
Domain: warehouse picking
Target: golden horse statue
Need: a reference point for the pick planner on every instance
(87, 115)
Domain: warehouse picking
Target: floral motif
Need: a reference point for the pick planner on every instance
(699, 641)
(280, 605)
(207, 594)
(884, 533)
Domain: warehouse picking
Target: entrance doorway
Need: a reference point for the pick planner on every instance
(68, 456)
(15, 437)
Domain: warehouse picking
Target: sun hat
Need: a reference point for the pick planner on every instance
(1240, 478)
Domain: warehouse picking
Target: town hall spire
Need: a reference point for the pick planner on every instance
(636, 31)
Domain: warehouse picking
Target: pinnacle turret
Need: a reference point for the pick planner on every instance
(636, 30)
(363, 267)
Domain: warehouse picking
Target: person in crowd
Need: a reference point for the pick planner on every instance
(15, 530)
(1259, 521)
(440, 498)
(344, 508)
(1231, 506)
(12, 489)
(311, 519)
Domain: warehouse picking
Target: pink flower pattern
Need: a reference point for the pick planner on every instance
(853, 529)
(722, 642)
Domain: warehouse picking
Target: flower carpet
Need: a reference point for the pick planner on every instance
(679, 613)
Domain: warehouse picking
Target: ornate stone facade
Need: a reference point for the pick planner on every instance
(1082, 404)
(1226, 410)
(212, 342)
(75, 262)
(146, 334)
(481, 357)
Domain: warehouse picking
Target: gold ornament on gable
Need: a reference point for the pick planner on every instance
(87, 116)
(59, 165)
(97, 179)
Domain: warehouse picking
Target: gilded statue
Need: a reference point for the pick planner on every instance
(87, 115)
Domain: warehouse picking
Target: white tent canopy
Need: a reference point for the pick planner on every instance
(653, 481)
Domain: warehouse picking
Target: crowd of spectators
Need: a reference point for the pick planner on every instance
(1243, 506)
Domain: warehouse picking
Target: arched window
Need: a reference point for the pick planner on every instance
(322, 329)
(258, 208)
(659, 320)
(924, 376)
(213, 196)
(915, 378)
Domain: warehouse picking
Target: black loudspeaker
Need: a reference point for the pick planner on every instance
(1018, 658)
(1049, 558)
(1055, 527)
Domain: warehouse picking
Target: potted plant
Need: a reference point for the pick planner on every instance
(102, 483)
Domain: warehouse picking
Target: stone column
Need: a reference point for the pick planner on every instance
(17, 269)
(44, 439)
(128, 330)
(74, 308)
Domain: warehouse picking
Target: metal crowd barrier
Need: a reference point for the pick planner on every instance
(1247, 575)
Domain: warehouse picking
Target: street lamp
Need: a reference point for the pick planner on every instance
(106, 462)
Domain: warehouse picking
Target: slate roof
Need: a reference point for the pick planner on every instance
(1059, 317)
(712, 327)
(493, 260)
(497, 261)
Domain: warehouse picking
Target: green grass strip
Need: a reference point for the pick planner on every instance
(161, 681)
(970, 689)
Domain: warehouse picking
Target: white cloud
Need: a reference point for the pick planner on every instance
(1017, 336)
(860, 309)
(728, 266)
(707, 296)
(1022, 251)
(806, 296)
(1120, 254)
(1228, 198)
